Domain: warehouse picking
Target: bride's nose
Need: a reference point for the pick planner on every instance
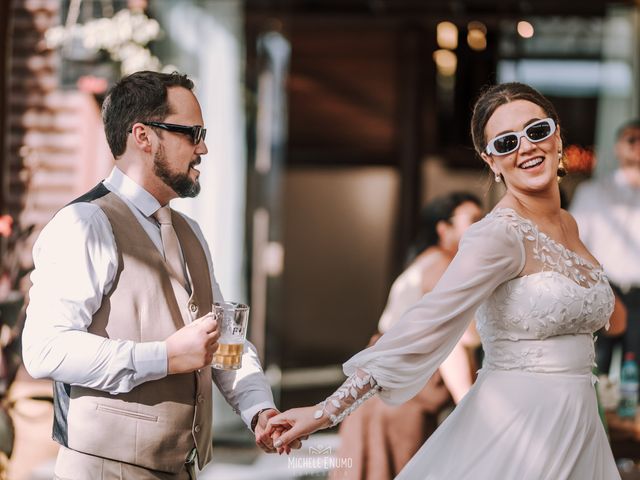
(526, 145)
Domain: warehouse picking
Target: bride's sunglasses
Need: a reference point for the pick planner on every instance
(510, 142)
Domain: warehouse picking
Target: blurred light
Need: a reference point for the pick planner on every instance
(525, 29)
(477, 36)
(579, 160)
(447, 35)
(446, 62)
(273, 259)
(477, 39)
(475, 25)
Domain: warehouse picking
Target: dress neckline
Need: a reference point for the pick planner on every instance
(572, 253)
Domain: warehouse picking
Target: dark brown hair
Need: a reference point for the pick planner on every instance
(630, 124)
(497, 95)
(139, 97)
(439, 209)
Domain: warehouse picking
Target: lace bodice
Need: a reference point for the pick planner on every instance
(543, 254)
(565, 294)
(537, 305)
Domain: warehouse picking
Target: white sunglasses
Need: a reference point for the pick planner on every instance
(510, 142)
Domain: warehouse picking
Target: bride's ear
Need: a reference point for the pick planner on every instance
(489, 161)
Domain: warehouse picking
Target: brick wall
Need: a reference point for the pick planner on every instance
(54, 141)
(53, 150)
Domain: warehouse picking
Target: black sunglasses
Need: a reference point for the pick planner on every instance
(196, 132)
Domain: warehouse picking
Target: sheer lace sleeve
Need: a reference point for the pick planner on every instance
(404, 358)
(357, 388)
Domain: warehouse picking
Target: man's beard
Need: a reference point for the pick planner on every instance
(181, 183)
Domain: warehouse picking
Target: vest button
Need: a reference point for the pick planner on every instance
(197, 428)
(193, 307)
(200, 399)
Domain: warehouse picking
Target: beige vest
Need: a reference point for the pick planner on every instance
(157, 423)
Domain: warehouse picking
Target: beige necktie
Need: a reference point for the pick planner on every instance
(170, 243)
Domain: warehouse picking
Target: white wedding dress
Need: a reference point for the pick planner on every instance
(532, 413)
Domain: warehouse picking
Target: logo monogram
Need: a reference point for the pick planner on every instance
(320, 450)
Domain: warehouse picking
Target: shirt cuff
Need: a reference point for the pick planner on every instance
(150, 361)
(248, 414)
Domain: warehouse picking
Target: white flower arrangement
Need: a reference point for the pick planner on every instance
(124, 37)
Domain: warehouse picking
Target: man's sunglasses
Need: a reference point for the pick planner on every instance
(196, 132)
(510, 142)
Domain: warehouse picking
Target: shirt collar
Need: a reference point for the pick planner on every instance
(619, 178)
(120, 183)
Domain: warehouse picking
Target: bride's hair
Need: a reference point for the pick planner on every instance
(493, 97)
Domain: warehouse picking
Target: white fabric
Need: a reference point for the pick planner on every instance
(405, 291)
(75, 264)
(608, 215)
(532, 413)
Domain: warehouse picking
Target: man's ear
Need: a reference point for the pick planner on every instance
(140, 136)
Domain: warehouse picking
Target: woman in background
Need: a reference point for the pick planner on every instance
(378, 438)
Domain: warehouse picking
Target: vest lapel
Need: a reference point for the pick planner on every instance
(197, 265)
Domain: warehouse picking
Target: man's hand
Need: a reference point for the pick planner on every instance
(192, 347)
(265, 441)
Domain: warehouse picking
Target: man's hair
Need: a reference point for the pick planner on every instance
(139, 97)
(635, 123)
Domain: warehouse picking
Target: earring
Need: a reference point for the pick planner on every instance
(562, 171)
(498, 178)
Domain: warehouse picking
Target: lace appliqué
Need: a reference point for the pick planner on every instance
(507, 359)
(558, 293)
(354, 391)
(552, 255)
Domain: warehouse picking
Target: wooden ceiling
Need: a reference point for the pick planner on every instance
(490, 8)
(362, 85)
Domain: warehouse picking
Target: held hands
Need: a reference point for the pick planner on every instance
(294, 425)
(192, 347)
(265, 440)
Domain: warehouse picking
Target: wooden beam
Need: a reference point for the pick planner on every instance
(409, 135)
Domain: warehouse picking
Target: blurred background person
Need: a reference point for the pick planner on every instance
(608, 214)
(380, 439)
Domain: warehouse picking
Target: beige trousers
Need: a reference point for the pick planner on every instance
(72, 465)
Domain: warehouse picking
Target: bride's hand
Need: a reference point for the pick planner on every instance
(296, 423)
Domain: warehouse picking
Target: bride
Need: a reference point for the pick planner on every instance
(539, 296)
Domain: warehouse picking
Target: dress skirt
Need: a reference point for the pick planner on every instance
(519, 425)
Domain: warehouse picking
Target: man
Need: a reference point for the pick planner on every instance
(120, 308)
(608, 214)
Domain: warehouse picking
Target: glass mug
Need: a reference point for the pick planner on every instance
(232, 321)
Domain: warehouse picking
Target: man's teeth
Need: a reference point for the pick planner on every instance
(531, 163)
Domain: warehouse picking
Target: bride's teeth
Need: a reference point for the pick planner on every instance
(531, 163)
